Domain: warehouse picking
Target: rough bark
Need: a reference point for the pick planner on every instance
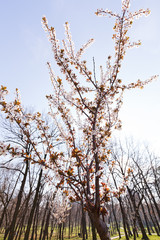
(100, 225)
(83, 224)
(94, 235)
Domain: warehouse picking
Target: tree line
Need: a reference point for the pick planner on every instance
(29, 207)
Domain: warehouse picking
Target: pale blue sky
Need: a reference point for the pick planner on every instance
(24, 51)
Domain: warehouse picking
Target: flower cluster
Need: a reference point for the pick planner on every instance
(59, 208)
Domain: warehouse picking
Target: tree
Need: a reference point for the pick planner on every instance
(88, 110)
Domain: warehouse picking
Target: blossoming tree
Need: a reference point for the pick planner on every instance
(86, 111)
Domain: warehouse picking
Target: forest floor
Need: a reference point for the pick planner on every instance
(75, 237)
(153, 237)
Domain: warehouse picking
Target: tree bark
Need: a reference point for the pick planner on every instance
(11, 230)
(26, 237)
(100, 225)
(83, 224)
(123, 218)
(144, 235)
(46, 226)
(94, 235)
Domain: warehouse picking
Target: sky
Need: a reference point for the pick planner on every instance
(24, 51)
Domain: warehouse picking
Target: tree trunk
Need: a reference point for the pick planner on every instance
(11, 230)
(94, 235)
(8, 201)
(146, 219)
(123, 218)
(69, 225)
(26, 237)
(144, 235)
(100, 226)
(154, 215)
(46, 226)
(43, 220)
(83, 224)
(114, 214)
(24, 214)
(150, 192)
(52, 228)
(151, 217)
